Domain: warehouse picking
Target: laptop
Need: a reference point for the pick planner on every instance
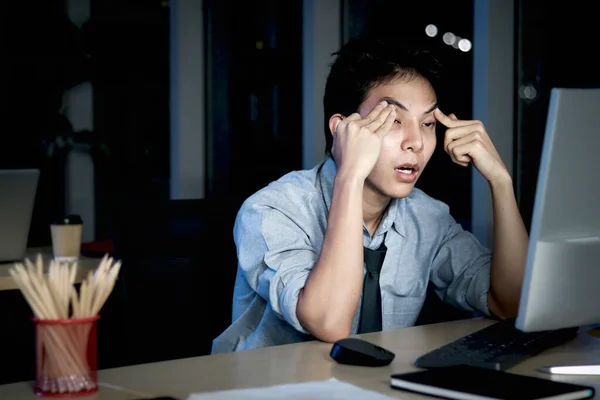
(18, 188)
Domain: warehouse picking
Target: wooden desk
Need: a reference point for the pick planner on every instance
(310, 361)
(24, 390)
(85, 264)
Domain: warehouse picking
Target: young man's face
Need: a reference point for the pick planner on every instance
(408, 146)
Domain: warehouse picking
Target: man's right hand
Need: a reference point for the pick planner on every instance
(326, 310)
(357, 140)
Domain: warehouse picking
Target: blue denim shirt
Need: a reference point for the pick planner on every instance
(279, 232)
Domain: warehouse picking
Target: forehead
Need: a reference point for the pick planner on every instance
(414, 92)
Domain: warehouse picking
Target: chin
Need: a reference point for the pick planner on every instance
(400, 190)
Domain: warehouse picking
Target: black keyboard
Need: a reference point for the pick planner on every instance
(498, 346)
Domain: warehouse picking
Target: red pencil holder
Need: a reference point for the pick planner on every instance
(66, 357)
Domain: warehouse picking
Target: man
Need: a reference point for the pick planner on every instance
(307, 243)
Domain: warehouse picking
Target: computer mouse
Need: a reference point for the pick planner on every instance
(354, 351)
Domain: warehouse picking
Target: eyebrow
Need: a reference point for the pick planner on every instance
(403, 107)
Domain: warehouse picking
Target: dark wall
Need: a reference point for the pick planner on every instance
(557, 46)
(175, 288)
(254, 65)
(406, 21)
(43, 55)
(128, 45)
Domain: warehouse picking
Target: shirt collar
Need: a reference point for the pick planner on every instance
(394, 215)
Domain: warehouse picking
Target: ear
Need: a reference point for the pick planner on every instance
(334, 121)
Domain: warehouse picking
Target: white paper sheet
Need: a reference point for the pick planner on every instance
(319, 390)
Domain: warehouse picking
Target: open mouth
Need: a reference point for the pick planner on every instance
(407, 169)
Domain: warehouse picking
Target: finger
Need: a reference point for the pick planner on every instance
(341, 125)
(466, 151)
(387, 125)
(381, 118)
(447, 121)
(378, 109)
(460, 156)
(353, 117)
(453, 117)
(459, 132)
(454, 151)
(444, 119)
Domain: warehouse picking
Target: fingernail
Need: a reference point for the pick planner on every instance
(383, 103)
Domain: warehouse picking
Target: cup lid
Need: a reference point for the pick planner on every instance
(71, 219)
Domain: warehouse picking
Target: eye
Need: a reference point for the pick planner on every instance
(429, 124)
(397, 122)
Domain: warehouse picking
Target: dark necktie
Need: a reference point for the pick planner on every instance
(370, 312)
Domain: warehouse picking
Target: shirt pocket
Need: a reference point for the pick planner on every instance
(403, 305)
(405, 293)
(407, 287)
(401, 312)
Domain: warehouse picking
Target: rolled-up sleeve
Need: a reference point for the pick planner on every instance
(461, 269)
(275, 255)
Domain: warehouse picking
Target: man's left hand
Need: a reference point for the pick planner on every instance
(468, 141)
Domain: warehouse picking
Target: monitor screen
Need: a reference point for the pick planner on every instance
(561, 286)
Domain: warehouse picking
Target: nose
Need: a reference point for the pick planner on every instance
(413, 138)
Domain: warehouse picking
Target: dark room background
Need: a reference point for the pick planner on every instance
(172, 296)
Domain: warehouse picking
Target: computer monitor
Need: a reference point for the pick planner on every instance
(561, 287)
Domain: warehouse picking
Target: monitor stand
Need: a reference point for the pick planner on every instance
(588, 369)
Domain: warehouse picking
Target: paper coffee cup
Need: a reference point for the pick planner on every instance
(66, 238)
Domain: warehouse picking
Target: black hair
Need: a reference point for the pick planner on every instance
(366, 62)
